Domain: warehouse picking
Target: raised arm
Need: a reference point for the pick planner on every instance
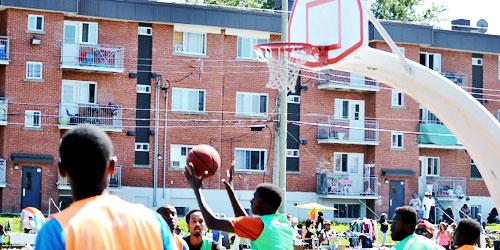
(237, 208)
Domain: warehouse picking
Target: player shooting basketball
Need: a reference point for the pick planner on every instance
(268, 230)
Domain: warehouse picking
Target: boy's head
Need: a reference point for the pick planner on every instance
(266, 199)
(403, 223)
(195, 222)
(467, 233)
(86, 158)
(169, 214)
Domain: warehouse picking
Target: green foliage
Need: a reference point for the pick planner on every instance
(406, 11)
(259, 4)
(15, 222)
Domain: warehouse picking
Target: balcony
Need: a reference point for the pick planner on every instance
(92, 58)
(459, 79)
(4, 50)
(344, 131)
(3, 173)
(114, 182)
(332, 185)
(436, 135)
(4, 104)
(106, 116)
(443, 187)
(344, 81)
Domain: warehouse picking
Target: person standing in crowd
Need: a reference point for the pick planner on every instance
(464, 211)
(467, 234)
(169, 214)
(384, 227)
(443, 237)
(429, 205)
(451, 231)
(297, 234)
(96, 219)
(309, 235)
(319, 222)
(328, 236)
(196, 225)
(403, 226)
(416, 204)
(448, 216)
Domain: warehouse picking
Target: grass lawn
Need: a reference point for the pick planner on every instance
(15, 222)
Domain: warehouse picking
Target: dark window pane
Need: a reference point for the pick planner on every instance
(422, 59)
(39, 23)
(345, 107)
(85, 32)
(344, 162)
(254, 160)
(263, 104)
(91, 93)
(431, 61)
(474, 172)
(201, 101)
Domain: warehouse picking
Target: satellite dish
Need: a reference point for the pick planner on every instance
(482, 26)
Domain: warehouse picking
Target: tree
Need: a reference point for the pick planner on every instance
(406, 11)
(259, 4)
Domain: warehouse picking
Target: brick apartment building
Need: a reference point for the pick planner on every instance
(104, 62)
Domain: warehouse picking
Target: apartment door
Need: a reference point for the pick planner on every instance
(357, 120)
(70, 50)
(396, 196)
(31, 187)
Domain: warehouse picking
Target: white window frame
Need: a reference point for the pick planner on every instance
(252, 114)
(253, 41)
(28, 64)
(293, 153)
(184, 109)
(394, 140)
(424, 165)
(397, 99)
(80, 35)
(143, 88)
(29, 118)
(293, 99)
(250, 170)
(177, 156)
(141, 147)
(182, 48)
(32, 26)
(145, 31)
(350, 156)
(436, 58)
(76, 85)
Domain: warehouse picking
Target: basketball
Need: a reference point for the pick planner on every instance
(204, 158)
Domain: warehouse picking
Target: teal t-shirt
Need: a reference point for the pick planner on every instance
(416, 242)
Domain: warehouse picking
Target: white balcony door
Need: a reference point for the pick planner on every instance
(357, 120)
(70, 43)
(74, 93)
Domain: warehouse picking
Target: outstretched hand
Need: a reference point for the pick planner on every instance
(229, 173)
(194, 181)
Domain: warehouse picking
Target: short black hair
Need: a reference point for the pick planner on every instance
(270, 194)
(408, 215)
(85, 151)
(188, 215)
(320, 213)
(468, 232)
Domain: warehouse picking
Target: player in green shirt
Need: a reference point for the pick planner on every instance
(402, 230)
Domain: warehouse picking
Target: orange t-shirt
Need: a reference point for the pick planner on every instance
(247, 227)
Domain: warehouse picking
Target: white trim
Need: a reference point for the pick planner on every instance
(141, 147)
(145, 31)
(28, 63)
(293, 99)
(253, 41)
(436, 146)
(394, 143)
(247, 33)
(477, 61)
(395, 94)
(424, 160)
(32, 113)
(178, 146)
(252, 114)
(192, 90)
(293, 153)
(180, 48)
(251, 149)
(143, 88)
(80, 32)
(36, 16)
(197, 28)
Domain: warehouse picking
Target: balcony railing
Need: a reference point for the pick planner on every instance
(93, 57)
(444, 187)
(339, 80)
(345, 131)
(459, 79)
(114, 182)
(346, 185)
(4, 104)
(434, 134)
(106, 116)
(4, 49)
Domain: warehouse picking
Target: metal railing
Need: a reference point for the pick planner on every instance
(346, 184)
(459, 79)
(4, 104)
(341, 79)
(94, 55)
(101, 115)
(4, 48)
(349, 130)
(449, 187)
(114, 182)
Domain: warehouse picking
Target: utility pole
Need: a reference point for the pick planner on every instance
(157, 125)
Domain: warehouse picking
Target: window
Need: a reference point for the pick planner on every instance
(178, 155)
(142, 147)
(143, 88)
(80, 92)
(190, 43)
(246, 47)
(145, 31)
(431, 60)
(294, 99)
(35, 23)
(251, 104)
(474, 171)
(498, 115)
(397, 140)
(250, 159)
(426, 116)
(89, 33)
(34, 70)
(347, 211)
(398, 99)
(32, 119)
(348, 163)
(292, 153)
(474, 210)
(188, 100)
(429, 165)
(477, 61)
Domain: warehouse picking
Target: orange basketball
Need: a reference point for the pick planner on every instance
(204, 158)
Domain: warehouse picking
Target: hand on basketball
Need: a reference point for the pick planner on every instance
(194, 181)
(229, 174)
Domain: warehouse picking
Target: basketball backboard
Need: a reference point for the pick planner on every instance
(337, 27)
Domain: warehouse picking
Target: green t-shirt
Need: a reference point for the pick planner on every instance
(416, 242)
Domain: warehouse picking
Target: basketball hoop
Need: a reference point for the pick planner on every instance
(292, 55)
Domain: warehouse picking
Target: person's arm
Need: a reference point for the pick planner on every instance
(211, 220)
(237, 208)
(50, 236)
